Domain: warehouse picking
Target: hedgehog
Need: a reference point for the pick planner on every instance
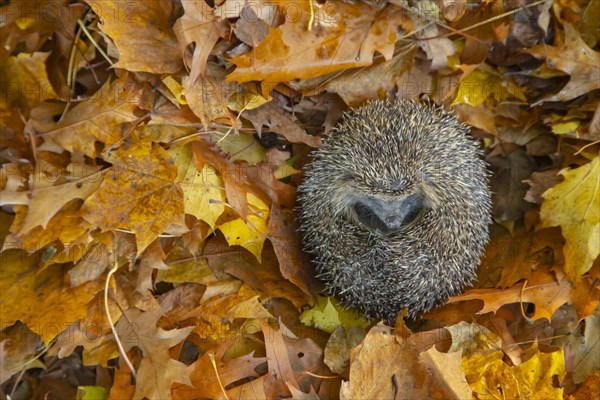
(395, 208)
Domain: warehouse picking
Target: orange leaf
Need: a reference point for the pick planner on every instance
(142, 33)
(343, 36)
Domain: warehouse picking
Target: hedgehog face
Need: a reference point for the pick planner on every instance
(395, 208)
(387, 214)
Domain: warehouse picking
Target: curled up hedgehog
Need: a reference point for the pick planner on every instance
(395, 208)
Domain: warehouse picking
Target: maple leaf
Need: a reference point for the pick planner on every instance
(573, 205)
(252, 232)
(157, 370)
(489, 376)
(142, 34)
(203, 191)
(26, 80)
(41, 299)
(138, 193)
(575, 58)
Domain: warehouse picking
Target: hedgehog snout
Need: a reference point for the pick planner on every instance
(388, 215)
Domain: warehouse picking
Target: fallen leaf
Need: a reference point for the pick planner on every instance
(575, 58)
(252, 232)
(142, 34)
(386, 366)
(25, 80)
(157, 370)
(328, 315)
(203, 191)
(42, 300)
(541, 289)
(97, 119)
(573, 205)
(343, 36)
(198, 26)
(138, 193)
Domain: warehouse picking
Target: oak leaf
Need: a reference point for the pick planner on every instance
(575, 58)
(541, 289)
(199, 27)
(343, 36)
(157, 370)
(96, 119)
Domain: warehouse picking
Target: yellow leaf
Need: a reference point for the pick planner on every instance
(574, 206)
(26, 80)
(284, 170)
(175, 88)
(478, 86)
(530, 379)
(328, 314)
(41, 299)
(250, 235)
(491, 378)
(241, 147)
(203, 192)
(247, 98)
(565, 127)
(139, 194)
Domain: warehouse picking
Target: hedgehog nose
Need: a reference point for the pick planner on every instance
(394, 222)
(389, 215)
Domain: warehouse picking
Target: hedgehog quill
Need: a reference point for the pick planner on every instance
(395, 208)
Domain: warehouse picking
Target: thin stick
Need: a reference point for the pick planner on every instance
(214, 364)
(91, 39)
(111, 323)
(312, 15)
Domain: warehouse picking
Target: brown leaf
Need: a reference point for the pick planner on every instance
(541, 289)
(198, 27)
(271, 116)
(96, 120)
(208, 379)
(280, 367)
(293, 263)
(138, 194)
(43, 300)
(142, 34)
(576, 59)
(387, 366)
(207, 96)
(343, 36)
(157, 370)
(508, 189)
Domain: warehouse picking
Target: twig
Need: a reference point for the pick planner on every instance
(111, 323)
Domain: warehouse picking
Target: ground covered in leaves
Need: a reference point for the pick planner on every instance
(150, 154)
